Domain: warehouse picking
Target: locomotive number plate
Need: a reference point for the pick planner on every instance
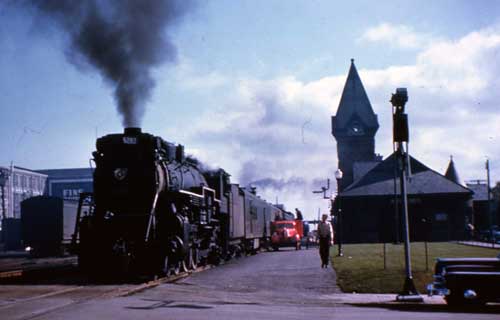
(130, 140)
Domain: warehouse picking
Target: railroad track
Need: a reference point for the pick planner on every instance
(15, 268)
(23, 302)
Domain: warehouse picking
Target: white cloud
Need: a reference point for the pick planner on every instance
(454, 89)
(400, 36)
(279, 129)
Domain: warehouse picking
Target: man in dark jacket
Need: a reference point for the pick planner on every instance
(298, 214)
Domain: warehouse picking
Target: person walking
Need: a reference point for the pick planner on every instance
(325, 234)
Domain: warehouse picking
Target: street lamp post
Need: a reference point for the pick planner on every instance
(400, 140)
(338, 177)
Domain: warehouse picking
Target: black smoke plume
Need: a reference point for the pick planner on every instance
(123, 39)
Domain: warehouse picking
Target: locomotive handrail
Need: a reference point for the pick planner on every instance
(152, 214)
(81, 200)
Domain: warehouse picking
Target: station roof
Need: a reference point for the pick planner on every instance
(70, 173)
(424, 181)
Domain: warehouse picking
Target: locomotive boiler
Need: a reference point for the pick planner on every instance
(153, 211)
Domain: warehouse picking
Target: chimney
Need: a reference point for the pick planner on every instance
(132, 131)
(179, 153)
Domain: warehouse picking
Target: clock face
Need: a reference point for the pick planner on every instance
(356, 129)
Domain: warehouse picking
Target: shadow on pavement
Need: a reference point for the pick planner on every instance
(489, 309)
(66, 275)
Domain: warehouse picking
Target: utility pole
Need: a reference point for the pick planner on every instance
(10, 195)
(488, 207)
(400, 140)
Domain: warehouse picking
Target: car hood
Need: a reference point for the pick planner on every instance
(461, 264)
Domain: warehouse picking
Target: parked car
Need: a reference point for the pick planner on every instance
(313, 237)
(491, 234)
(465, 281)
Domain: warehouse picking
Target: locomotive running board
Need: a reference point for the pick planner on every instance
(202, 195)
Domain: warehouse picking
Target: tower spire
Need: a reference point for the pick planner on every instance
(354, 127)
(354, 103)
(451, 172)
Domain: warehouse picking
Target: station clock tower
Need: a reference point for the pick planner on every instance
(354, 127)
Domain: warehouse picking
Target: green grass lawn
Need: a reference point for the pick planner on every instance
(361, 269)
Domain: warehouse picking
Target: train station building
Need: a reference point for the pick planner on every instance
(439, 205)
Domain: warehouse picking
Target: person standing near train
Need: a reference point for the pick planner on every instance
(325, 234)
(298, 214)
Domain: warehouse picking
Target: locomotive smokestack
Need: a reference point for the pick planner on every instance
(132, 131)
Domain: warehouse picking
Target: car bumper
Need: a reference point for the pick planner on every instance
(437, 290)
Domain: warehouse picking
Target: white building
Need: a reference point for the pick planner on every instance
(17, 184)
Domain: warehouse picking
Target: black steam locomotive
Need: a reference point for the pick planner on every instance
(155, 211)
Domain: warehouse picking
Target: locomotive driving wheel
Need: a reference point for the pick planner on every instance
(189, 263)
(166, 266)
(194, 258)
(170, 266)
(177, 267)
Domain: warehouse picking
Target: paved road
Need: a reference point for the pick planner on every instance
(278, 285)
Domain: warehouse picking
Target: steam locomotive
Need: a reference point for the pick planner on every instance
(155, 211)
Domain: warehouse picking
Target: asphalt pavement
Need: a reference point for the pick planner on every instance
(271, 285)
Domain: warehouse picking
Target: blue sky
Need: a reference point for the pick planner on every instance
(255, 84)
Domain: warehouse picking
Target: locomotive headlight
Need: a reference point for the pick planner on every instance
(120, 173)
(108, 215)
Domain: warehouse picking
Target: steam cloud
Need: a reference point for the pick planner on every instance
(123, 39)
